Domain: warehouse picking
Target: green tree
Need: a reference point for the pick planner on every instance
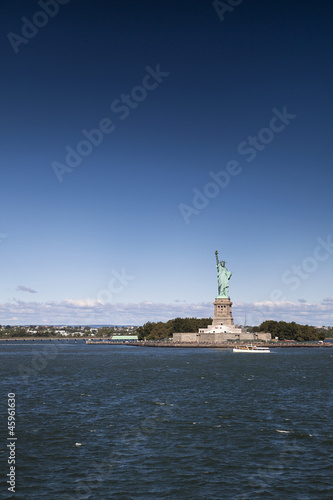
(145, 330)
(154, 331)
(160, 331)
(290, 331)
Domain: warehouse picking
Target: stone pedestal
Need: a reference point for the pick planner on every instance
(222, 312)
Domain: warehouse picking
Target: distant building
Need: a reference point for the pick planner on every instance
(122, 338)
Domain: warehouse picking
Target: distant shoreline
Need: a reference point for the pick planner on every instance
(230, 345)
(107, 341)
(44, 338)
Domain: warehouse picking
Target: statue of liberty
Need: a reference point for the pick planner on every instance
(223, 277)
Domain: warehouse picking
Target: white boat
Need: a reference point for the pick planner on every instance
(251, 348)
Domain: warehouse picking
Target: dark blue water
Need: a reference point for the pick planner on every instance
(104, 422)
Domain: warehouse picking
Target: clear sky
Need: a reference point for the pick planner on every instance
(138, 137)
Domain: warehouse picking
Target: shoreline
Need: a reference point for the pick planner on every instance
(189, 345)
(170, 344)
(43, 338)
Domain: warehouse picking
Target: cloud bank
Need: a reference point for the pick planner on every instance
(85, 312)
(317, 314)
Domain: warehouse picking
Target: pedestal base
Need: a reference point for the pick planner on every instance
(223, 312)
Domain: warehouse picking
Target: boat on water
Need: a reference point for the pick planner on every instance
(251, 348)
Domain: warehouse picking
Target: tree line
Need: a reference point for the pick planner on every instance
(160, 330)
(290, 331)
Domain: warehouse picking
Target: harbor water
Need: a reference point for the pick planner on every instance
(124, 422)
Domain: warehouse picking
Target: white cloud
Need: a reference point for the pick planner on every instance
(87, 311)
(318, 313)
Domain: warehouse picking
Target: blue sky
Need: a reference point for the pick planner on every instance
(183, 96)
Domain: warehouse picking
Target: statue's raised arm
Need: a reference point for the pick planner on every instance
(217, 257)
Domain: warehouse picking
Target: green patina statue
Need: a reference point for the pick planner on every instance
(223, 277)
